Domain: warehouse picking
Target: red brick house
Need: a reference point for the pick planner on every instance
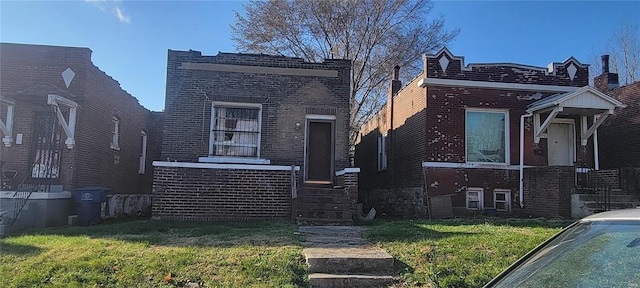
(250, 137)
(66, 124)
(495, 138)
(619, 137)
(619, 144)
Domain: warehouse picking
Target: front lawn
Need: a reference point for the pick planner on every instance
(144, 253)
(448, 253)
(458, 253)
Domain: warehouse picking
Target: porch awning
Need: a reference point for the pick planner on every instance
(584, 102)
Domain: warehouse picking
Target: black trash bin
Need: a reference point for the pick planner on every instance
(88, 204)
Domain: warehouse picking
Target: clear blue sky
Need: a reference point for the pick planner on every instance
(129, 39)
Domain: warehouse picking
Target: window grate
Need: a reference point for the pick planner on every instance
(236, 131)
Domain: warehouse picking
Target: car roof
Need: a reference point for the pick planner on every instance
(624, 214)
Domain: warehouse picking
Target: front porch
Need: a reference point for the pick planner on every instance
(548, 191)
(240, 192)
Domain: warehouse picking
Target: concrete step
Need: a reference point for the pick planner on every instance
(612, 205)
(314, 191)
(613, 198)
(342, 199)
(324, 214)
(321, 206)
(322, 222)
(348, 260)
(323, 280)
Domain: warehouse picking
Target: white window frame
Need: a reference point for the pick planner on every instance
(143, 153)
(480, 198)
(507, 199)
(233, 159)
(507, 138)
(115, 138)
(6, 126)
(382, 152)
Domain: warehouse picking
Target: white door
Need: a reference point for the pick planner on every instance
(560, 144)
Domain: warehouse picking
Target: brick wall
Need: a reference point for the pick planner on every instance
(349, 180)
(29, 73)
(398, 202)
(441, 181)
(619, 135)
(220, 194)
(608, 177)
(285, 100)
(406, 142)
(97, 163)
(547, 191)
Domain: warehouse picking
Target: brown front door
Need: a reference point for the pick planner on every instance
(319, 160)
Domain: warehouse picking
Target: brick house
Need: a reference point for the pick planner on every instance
(66, 124)
(620, 134)
(619, 144)
(450, 140)
(250, 137)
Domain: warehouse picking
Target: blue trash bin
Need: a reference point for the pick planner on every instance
(88, 202)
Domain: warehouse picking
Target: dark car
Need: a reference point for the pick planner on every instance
(601, 250)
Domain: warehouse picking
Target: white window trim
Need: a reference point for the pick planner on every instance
(70, 127)
(507, 199)
(143, 153)
(480, 192)
(115, 138)
(382, 152)
(507, 136)
(320, 117)
(6, 126)
(211, 157)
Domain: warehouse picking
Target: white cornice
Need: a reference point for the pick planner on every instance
(494, 85)
(258, 69)
(471, 165)
(223, 166)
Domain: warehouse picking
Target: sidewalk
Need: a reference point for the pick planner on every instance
(338, 256)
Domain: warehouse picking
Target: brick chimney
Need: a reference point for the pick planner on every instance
(607, 80)
(394, 87)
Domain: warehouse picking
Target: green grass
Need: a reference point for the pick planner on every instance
(142, 253)
(451, 253)
(457, 253)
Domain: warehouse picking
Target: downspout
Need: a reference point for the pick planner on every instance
(522, 158)
(596, 154)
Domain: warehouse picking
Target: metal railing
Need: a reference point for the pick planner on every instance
(45, 158)
(629, 180)
(593, 186)
(21, 197)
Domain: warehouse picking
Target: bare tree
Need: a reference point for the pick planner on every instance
(624, 51)
(375, 34)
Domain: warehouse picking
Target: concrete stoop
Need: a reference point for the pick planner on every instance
(339, 257)
(339, 280)
(369, 259)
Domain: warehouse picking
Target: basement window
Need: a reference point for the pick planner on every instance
(382, 152)
(235, 130)
(475, 198)
(487, 135)
(115, 138)
(502, 200)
